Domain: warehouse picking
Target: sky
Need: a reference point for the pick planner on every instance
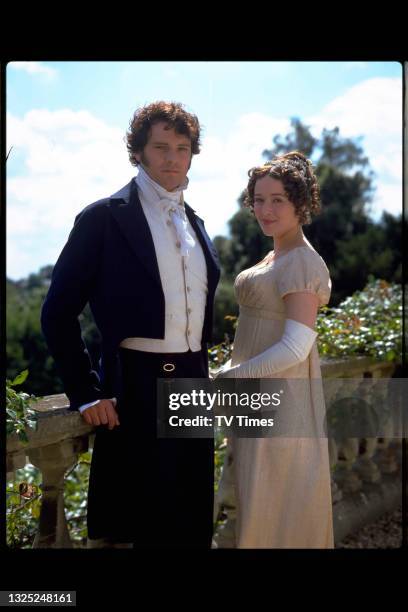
(66, 123)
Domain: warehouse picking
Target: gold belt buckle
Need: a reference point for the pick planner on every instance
(169, 367)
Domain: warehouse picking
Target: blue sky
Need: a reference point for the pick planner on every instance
(66, 122)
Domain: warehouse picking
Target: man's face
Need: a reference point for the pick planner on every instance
(166, 156)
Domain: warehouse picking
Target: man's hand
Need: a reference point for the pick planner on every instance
(102, 413)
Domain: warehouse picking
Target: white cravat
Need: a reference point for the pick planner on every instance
(172, 203)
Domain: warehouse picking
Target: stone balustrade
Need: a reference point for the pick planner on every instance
(365, 472)
(62, 435)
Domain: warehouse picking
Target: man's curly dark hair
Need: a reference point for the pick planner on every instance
(173, 114)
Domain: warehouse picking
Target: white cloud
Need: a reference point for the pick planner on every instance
(34, 68)
(71, 159)
(388, 197)
(372, 109)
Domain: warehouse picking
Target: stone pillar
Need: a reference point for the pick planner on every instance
(333, 454)
(226, 502)
(53, 461)
(367, 468)
(393, 426)
(347, 447)
(345, 475)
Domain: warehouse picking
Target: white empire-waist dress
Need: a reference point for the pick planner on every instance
(282, 485)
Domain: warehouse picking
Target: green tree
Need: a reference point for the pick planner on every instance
(351, 243)
(26, 347)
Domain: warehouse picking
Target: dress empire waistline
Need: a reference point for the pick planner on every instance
(262, 313)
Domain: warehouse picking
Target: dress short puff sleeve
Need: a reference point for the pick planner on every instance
(304, 270)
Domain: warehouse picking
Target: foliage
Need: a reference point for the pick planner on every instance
(23, 496)
(23, 503)
(20, 415)
(367, 323)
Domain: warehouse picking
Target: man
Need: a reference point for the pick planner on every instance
(144, 262)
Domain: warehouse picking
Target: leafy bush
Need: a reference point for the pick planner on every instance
(367, 323)
(23, 501)
(20, 415)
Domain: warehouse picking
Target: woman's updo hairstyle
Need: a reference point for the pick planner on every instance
(296, 172)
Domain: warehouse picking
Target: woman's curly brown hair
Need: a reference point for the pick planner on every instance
(173, 114)
(299, 182)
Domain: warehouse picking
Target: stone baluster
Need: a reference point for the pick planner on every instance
(387, 456)
(333, 459)
(346, 476)
(226, 501)
(330, 389)
(366, 466)
(53, 461)
(347, 447)
(15, 461)
(386, 444)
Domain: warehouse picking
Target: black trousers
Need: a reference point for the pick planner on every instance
(155, 492)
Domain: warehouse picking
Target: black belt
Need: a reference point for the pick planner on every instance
(169, 358)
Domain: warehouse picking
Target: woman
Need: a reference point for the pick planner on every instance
(283, 484)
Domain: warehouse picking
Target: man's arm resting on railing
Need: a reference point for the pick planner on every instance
(71, 285)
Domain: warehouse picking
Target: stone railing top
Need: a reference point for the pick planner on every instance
(349, 366)
(57, 423)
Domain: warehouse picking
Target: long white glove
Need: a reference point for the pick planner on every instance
(292, 348)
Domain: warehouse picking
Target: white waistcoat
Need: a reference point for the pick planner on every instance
(184, 282)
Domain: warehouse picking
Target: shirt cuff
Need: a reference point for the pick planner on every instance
(85, 406)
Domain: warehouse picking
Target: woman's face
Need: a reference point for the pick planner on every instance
(274, 212)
